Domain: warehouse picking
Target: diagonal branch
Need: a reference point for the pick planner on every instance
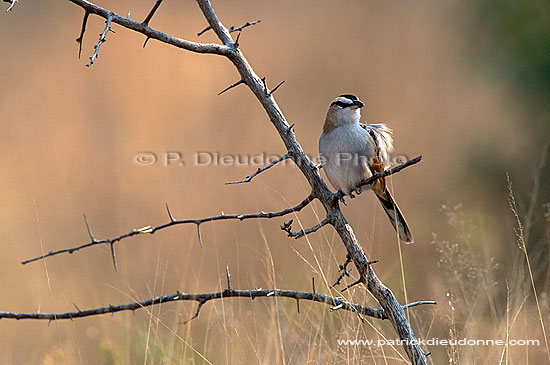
(260, 170)
(172, 222)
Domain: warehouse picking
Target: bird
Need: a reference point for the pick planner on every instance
(351, 151)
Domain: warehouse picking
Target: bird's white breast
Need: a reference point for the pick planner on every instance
(345, 152)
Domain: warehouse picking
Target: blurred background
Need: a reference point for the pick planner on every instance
(466, 84)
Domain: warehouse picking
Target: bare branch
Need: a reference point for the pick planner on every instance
(260, 170)
(173, 222)
(231, 29)
(344, 271)
(150, 32)
(152, 12)
(202, 299)
(80, 39)
(287, 227)
(389, 172)
(102, 38)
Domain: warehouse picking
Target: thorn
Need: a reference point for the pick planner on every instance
(313, 285)
(298, 305)
(145, 43)
(199, 233)
(89, 229)
(236, 43)
(360, 280)
(370, 262)
(337, 307)
(78, 309)
(241, 81)
(113, 255)
(265, 85)
(204, 31)
(197, 314)
(289, 129)
(228, 276)
(80, 38)
(276, 87)
(170, 213)
(427, 353)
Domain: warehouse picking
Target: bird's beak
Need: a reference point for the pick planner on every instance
(359, 104)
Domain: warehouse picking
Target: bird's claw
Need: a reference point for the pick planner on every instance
(341, 196)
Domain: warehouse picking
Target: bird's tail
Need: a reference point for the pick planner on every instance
(395, 215)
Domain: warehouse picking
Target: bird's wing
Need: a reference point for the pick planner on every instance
(383, 141)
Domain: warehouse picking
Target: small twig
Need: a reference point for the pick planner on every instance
(260, 170)
(152, 12)
(102, 39)
(344, 271)
(231, 29)
(276, 87)
(241, 81)
(287, 226)
(152, 230)
(80, 39)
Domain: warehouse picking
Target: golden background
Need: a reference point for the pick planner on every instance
(71, 134)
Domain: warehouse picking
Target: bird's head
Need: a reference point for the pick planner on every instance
(344, 110)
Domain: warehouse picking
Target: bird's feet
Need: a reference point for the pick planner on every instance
(358, 191)
(340, 195)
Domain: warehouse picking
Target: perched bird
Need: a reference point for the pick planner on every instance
(351, 151)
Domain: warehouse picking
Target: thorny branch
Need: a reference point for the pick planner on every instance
(102, 36)
(260, 170)
(334, 302)
(172, 222)
(229, 49)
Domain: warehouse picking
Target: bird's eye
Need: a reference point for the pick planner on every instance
(341, 104)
